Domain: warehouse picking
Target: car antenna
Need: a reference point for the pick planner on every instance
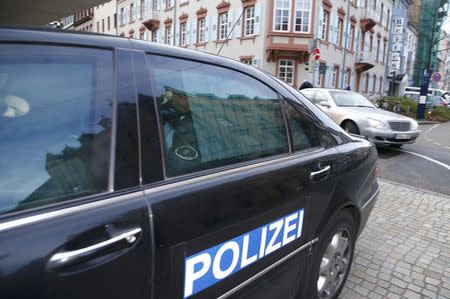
(231, 31)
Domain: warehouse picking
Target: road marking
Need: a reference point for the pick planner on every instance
(427, 158)
(432, 141)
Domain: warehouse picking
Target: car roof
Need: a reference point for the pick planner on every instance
(46, 35)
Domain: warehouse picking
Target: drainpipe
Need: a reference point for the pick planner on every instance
(347, 40)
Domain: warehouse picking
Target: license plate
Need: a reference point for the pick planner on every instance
(402, 136)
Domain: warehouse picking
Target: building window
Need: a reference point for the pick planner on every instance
(335, 81)
(381, 13)
(109, 23)
(348, 77)
(132, 14)
(169, 4)
(371, 43)
(201, 30)
(141, 35)
(326, 18)
(286, 70)
(183, 34)
(131, 34)
(388, 16)
(98, 26)
(103, 25)
(374, 83)
(247, 61)
(384, 52)
(340, 31)
(381, 85)
(322, 66)
(115, 20)
(378, 50)
(352, 37)
(282, 13)
(122, 16)
(168, 34)
(302, 15)
(154, 36)
(249, 21)
(223, 26)
(367, 83)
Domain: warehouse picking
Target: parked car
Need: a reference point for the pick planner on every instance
(431, 101)
(132, 169)
(357, 115)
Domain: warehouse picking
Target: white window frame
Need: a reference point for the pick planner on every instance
(302, 11)
(167, 34)
(201, 30)
(282, 9)
(249, 25)
(339, 32)
(223, 26)
(325, 20)
(122, 16)
(183, 34)
(283, 63)
(334, 77)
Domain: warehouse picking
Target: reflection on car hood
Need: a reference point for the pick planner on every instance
(375, 113)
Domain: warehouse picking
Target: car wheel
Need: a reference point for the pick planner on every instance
(334, 256)
(350, 127)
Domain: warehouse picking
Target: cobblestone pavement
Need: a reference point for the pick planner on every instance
(404, 251)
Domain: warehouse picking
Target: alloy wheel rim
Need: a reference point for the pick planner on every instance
(334, 264)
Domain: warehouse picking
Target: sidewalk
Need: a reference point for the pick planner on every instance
(404, 251)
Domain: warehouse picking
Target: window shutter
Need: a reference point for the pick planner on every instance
(172, 34)
(159, 37)
(336, 25)
(194, 31)
(230, 22)
(258, 9)
(367, 42)
(214, 28)
(238, 29)
(127, 14)
(158, 4)
(188, 32)
(357, 43)
(177, 35)
(138, 9)
(346, 34)
(320, 23)
(207, 29)
(352, 81)
(331, 28)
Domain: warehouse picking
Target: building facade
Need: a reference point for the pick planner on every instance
(83, 20)
(274, 35)
(105, 18)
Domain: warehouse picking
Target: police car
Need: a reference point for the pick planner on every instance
(138, 170)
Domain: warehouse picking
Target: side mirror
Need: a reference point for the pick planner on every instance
(325, 104)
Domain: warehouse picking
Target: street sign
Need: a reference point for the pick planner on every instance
(316, 54)
(436, 77)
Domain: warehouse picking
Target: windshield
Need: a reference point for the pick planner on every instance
(350, 99)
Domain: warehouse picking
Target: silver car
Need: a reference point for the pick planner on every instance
(357, 115)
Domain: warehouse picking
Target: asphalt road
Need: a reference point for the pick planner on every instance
(424, 164)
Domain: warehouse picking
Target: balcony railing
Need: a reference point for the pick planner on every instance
(369, 19)
(365, 60)
(151, 19)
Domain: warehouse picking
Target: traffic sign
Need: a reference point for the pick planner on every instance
(316, 54)
(436, 77)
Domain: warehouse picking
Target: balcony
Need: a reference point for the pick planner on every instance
(369, 19)
(151, 21)
(365, 60)
(82, 20)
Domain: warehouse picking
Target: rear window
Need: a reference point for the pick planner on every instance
(55, 124)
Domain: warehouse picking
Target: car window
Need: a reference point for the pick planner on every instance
(212, 116)
(303, 130)
(310, 94)
(55, 124)
(350, 99)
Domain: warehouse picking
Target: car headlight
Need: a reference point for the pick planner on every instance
(414, 125)
(377, 124)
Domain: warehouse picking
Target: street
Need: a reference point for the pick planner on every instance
(424, 164)
(403, 251)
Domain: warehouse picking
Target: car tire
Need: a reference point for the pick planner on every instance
(334, 256)
(350, 127)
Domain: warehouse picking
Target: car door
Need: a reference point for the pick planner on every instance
(73, 222)
(237, 211)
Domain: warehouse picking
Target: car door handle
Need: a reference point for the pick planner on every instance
(67, 258)
(317, 176)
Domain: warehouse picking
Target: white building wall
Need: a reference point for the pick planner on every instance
(102, 14)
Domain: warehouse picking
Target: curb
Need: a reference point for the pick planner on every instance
(427, 122)
(414, 188)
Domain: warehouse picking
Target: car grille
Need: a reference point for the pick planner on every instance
(400, 126)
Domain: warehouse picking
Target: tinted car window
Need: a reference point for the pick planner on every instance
(303, 130)
(55, 116)
(212, 116)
